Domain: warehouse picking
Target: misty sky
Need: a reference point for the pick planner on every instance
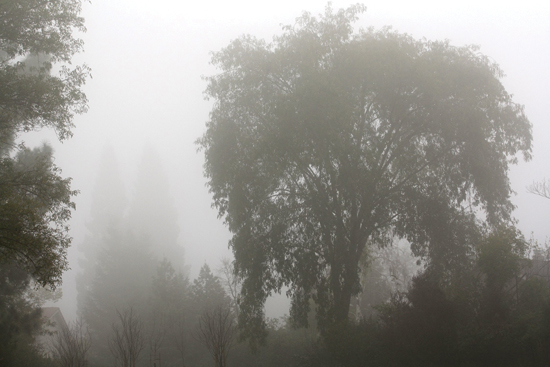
(147, 59)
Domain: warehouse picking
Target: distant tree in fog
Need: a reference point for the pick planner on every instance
(108, 206)
(169, 310)
(322, 141)
(122, 278)
(127, 339)
(179, 333)
(71, 344)
(217, 332)
(231, 283)
(207, 290)
(156, 337)
(152, 212)
(170, 289)
(121, 253)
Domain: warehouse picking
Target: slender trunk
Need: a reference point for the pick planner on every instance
(343, 292)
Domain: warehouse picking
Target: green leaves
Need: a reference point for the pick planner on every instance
(323, 139)
(35, 206)
(41, 26)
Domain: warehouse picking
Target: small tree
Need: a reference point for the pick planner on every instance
(128, 340)
(217, 333)
(70, 346)
(156, 338)
(179, 334)
(232, 283)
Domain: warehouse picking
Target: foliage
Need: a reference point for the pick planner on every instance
(285, 346)
(500, 262)
(207, 290)
(36, 204)
(17, 315)
(35, 35)
(20, 320)
(321, 141)
(384, 271)
(169, 289)
(168, 316)
(38, 99)
(499, 319)
(423, 324)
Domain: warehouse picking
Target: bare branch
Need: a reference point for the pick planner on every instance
(540, 188)
(71, 344)
(179, 334)
(231, 282)
(156, 338)
(128, 340)
(217, 333)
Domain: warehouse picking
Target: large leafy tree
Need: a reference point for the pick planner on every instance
(326, 141)
(35, 199)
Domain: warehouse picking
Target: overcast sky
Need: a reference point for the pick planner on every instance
(147, 58)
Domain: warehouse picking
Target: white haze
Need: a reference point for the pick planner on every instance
(147, 59)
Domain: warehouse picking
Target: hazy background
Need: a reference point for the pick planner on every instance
(147, 59)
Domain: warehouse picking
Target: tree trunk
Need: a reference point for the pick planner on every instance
(343, 293)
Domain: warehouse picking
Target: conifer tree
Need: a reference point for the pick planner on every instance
(109, 203)
(152, 212)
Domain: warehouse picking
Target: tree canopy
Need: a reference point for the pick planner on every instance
(327, 141)
(35, 200)
(42, 31)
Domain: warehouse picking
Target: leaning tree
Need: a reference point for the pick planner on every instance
(322, 141)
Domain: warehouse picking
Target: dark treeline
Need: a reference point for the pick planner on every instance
(493, 311)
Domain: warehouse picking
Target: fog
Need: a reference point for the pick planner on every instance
(147, 59)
